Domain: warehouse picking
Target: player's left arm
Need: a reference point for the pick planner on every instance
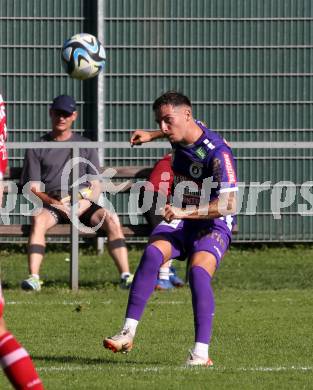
(142, 136)
(225, 204)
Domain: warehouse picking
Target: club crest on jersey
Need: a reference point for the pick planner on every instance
(201, 153)
(195, 170)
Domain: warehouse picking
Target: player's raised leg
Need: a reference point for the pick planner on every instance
(154, 256)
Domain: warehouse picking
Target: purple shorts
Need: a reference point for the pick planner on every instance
(188, 237)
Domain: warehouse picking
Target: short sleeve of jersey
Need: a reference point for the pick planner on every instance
(223, 168)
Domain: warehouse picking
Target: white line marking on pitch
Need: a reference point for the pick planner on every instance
(158, 369)
(50, 303)
(64, 303)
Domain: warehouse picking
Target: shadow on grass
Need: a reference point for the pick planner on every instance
(65, 283)
(88, 361)
(82, 283)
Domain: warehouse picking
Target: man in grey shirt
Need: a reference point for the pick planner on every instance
(46, 166)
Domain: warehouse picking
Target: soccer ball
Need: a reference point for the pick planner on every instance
(83, 56)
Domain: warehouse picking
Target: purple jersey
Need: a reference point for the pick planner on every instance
(211, 160)
(202, 171)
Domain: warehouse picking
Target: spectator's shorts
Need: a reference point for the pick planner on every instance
(63, 218)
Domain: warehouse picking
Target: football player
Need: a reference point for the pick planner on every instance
(197, 225)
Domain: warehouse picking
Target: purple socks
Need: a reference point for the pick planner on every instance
(144, 282)
(202, 303)
(200, 284)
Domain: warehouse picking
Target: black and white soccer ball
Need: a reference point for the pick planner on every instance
(83, 56)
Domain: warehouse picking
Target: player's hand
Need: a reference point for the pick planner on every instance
(171, 212)
(139, 137)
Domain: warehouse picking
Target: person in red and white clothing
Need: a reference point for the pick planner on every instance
(14, 359)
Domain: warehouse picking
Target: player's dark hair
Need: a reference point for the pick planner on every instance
(173, 98)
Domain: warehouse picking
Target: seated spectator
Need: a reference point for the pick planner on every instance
(46, 166)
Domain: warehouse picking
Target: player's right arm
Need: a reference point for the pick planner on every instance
(62, 204)
(43, 196)
(141, 136)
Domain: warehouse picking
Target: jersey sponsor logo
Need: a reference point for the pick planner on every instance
(186, 180)
(195, 170)
(179, 178)
(229, 169)
(190, 191)
(191, 200)
(201, 153)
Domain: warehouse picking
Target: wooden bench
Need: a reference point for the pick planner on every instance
(125, 175)
(65, 230)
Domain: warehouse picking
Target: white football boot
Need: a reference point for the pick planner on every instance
(195, 360)
(121, 342)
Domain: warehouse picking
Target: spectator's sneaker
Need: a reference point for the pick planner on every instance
(121, 342)
(163, 284)
(32, 284)
(195, 360)
(174, 279)
(125, 283)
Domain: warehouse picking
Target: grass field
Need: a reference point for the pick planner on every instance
(262, 334)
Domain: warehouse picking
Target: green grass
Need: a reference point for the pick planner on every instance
(262, 333)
